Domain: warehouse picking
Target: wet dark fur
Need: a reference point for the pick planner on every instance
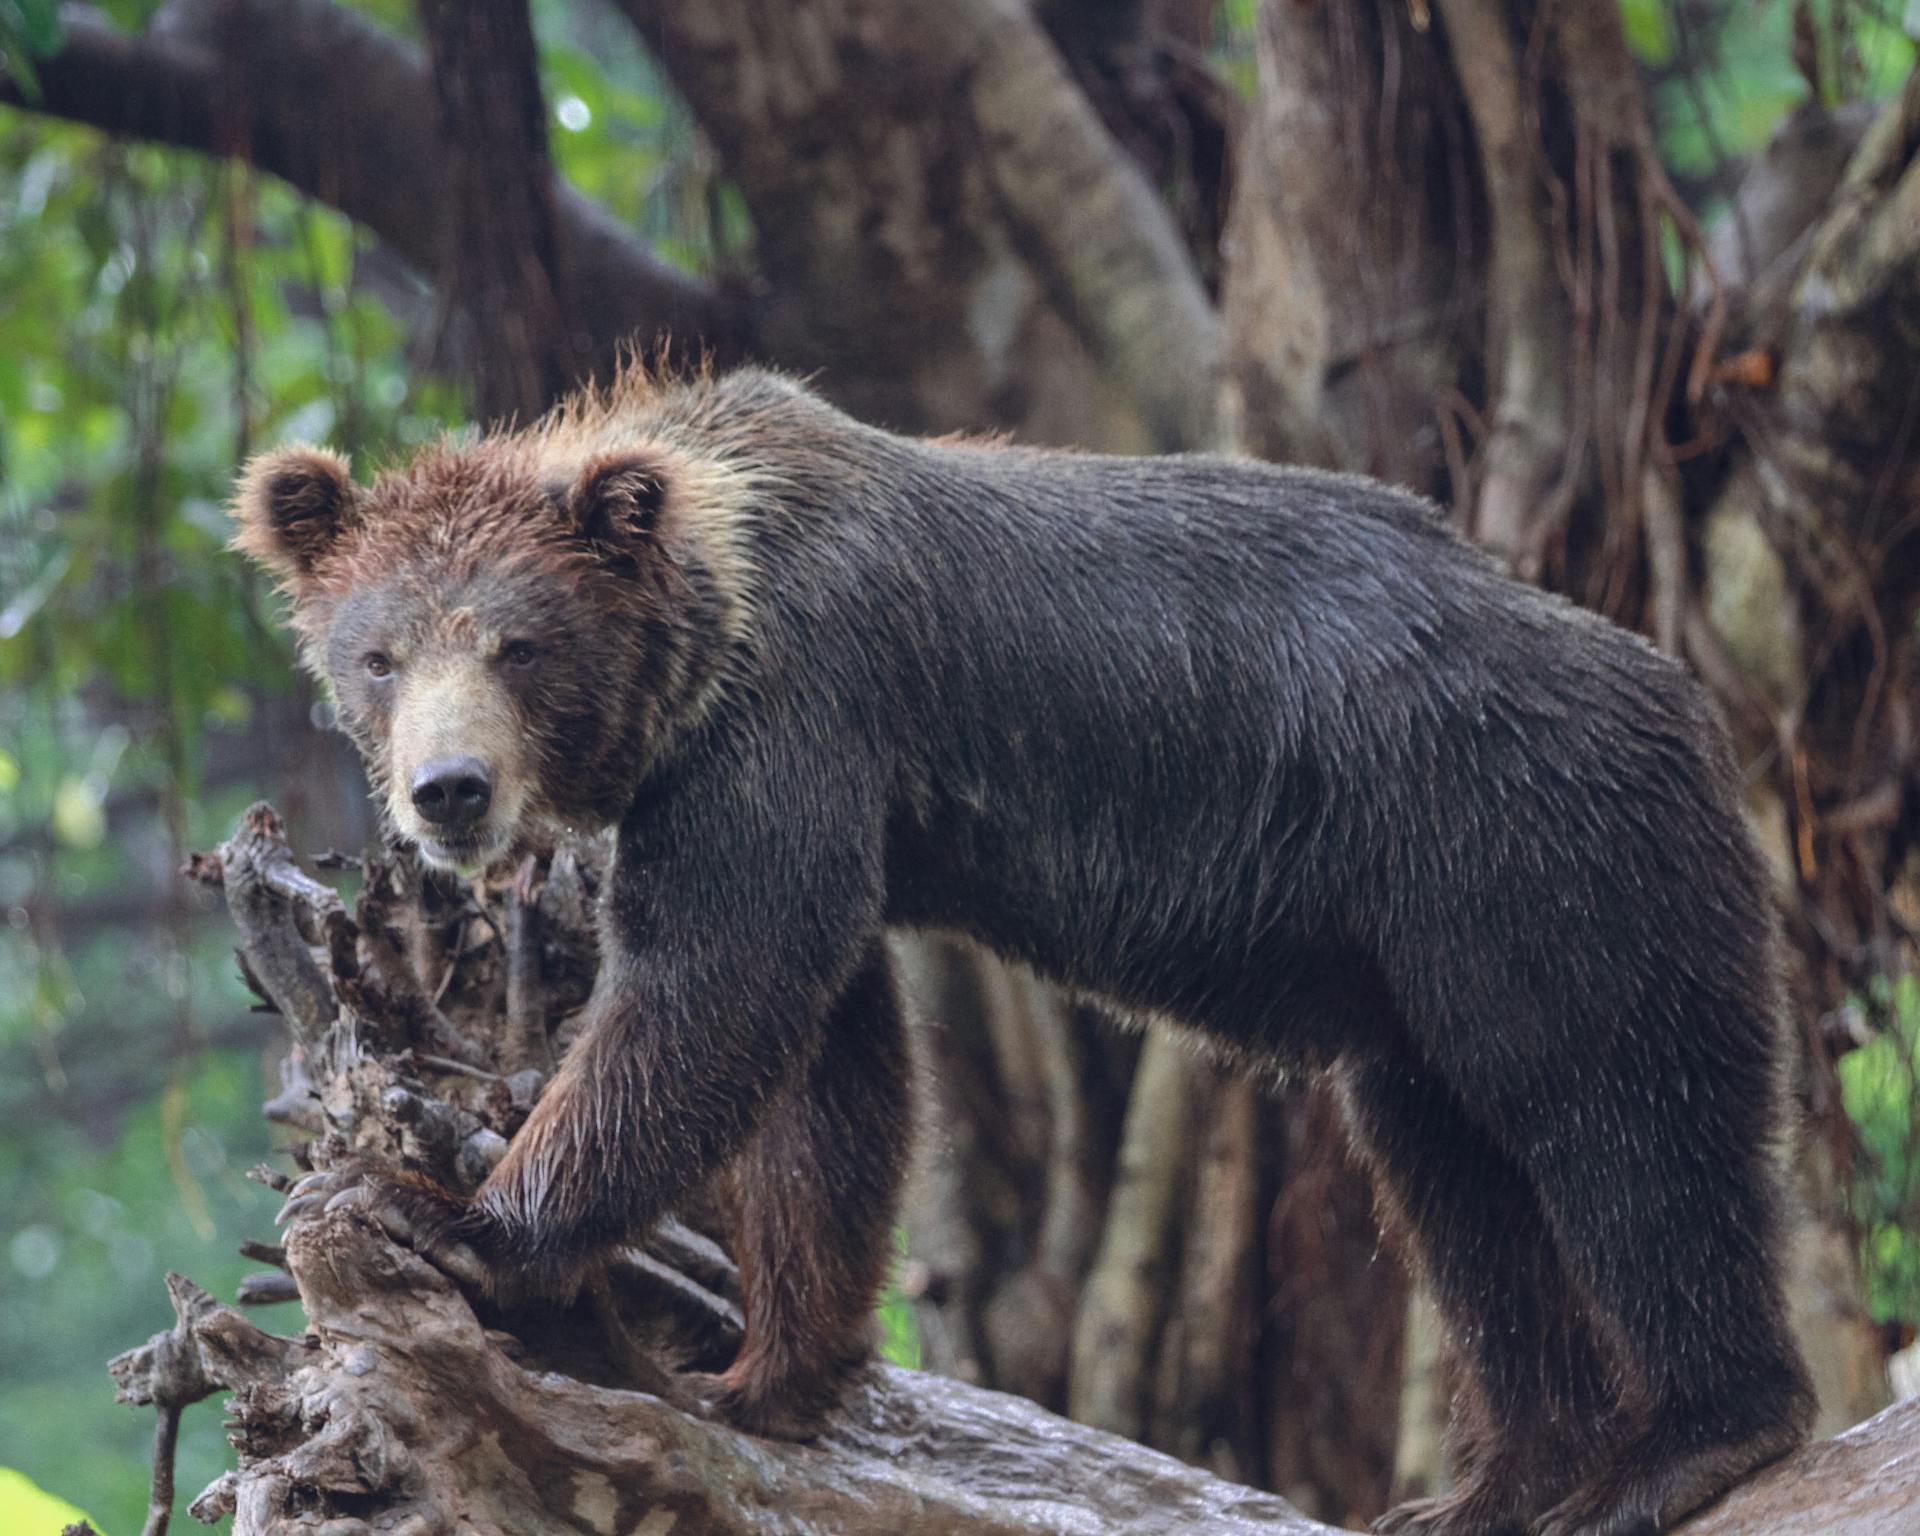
(1263, 751)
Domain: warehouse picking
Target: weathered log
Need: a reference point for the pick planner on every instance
(409, 1407)
(401, 1406)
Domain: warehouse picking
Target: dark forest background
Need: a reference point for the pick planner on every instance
(1632, 290)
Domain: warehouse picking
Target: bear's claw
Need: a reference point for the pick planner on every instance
(413, 1215)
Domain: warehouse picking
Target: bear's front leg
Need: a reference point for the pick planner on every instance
(815, 1197)
(743, 907)
(633, 1120)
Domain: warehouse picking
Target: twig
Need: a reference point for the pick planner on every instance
(166, 1437)
(462, 1068)
(264, 1253)
(279, 912)
(526, 1042)
(267, 1288)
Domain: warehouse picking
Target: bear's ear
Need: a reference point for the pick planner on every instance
(617, 499)
(292, 505)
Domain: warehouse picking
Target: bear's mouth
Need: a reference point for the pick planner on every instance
(462, 852)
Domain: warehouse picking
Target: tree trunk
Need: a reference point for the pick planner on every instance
(502, 261)
(957, 239)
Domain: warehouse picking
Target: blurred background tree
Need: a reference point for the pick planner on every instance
(1634, 291)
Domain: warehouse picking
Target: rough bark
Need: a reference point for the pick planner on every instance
(1279, 300)
(970, 244)
(346, 1428)
(1350, 288)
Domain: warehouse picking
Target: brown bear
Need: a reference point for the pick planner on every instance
(1263, 751)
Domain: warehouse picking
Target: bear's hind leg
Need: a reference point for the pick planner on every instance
(815, 1198)
(1671, 1228)
(1536, 1401)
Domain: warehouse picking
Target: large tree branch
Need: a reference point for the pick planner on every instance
(1343, 288)
(919, 248)
(1090, 220)
(1278, 308)
(524, 1449)
(1816, 522)
(344, 111)
(1831, 457)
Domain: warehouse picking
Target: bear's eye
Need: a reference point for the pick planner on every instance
(379, 664)
(518, 653)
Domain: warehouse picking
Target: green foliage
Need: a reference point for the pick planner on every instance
(29, 29)
(1234, 25)
(1648, 31)
(91, 1230)
(899, 1322)
(1880, 1089)
(619, 134)
(128, 15)
(1726, 75)
(122, 411)
(159, 316)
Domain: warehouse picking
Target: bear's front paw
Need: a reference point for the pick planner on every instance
(434, 1222)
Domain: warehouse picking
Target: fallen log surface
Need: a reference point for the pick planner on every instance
(409, 1408)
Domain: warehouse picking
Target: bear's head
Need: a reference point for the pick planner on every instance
(494, 625)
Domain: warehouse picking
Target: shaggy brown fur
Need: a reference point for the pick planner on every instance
(1259, 750)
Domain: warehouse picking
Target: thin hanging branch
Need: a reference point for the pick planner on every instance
(1528, 314)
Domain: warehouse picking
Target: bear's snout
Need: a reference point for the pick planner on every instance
(452, 792)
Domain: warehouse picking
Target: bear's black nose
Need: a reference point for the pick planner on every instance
(453, 791)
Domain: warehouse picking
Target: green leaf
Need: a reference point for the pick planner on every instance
(29, 1509)
(129, 15)
(79, 813)
(1645, 23)
(34, 24)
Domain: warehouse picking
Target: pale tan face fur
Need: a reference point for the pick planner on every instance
(439, 688)
(449, 703)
